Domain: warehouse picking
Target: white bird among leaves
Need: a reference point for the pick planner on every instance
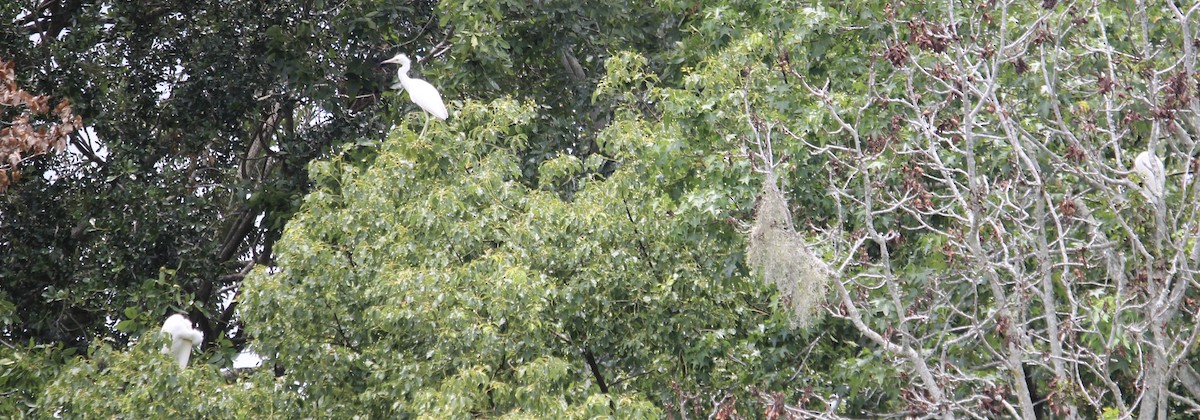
(183, 338)
(421, 92)
(1154, 176)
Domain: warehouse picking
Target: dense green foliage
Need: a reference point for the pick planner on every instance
(151, 385)
(572, 241)
(201, 117)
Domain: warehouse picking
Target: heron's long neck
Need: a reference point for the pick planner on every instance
(403, 72)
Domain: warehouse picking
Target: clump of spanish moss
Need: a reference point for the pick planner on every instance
(779, 255)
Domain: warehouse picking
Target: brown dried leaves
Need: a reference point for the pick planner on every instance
(36, 128)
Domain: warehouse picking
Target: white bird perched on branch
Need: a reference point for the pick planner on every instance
(183, 338)
(421, 92)
(1154, 176)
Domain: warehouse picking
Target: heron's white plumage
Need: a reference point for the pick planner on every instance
(183, 338)
(419, 91)
(1154, 175)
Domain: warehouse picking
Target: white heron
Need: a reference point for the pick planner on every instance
(421, 92)
(1154, 176)
(183, 338)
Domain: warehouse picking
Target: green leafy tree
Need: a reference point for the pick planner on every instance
(139, 381)
(201, 117)
(433, 281)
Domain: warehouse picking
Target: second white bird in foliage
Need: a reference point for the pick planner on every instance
(183, 338)
(1154, 176)
(421, 92)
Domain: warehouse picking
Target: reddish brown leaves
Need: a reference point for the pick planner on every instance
(1067, 207)
(922, 199)
(35, 130)
(1105, 84)
(1178, 91)
(929, 36)
(727, 408)
(1076, 153)
(993, 399)
(776, 407)
(1042, 36)
(897, 54)
(1020, 66)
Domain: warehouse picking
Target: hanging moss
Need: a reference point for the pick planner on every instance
(779, 255)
